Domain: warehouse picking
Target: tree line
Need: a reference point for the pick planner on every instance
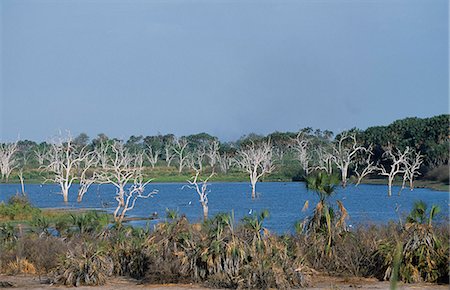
(406, 148)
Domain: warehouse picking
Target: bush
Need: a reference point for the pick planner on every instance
(18, 208)
(87, 264)
(19, 266)
(128, 252)
(44, 252)
(424, 251)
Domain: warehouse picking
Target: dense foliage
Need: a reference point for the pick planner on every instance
(222, 253)
(428, 135)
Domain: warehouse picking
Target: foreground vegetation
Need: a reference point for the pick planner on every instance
(85, 248)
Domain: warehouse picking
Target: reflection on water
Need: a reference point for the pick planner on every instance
(365, 204)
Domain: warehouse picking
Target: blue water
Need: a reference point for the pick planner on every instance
(366, 204)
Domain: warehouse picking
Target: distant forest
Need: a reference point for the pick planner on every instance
(428, 137)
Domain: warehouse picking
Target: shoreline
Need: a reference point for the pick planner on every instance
(420, 183)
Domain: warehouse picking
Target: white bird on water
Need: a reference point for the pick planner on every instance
(190, 202)
(250, 211)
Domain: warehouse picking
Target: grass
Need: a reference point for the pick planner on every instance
(19, 210)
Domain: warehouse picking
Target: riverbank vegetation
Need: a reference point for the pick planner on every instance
(86, 248)
(168, 158)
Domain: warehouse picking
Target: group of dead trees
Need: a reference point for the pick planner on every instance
(111, 161)
(347, 156)
(67, 162)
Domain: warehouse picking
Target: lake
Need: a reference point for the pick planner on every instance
(366, 204)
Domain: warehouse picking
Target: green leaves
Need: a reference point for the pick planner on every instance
(419, 214)
(323, 184)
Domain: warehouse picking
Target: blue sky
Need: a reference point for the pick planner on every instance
(224, 67)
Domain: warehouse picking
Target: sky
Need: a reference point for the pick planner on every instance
(227, 68)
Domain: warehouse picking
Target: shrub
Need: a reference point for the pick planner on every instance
(19, 266)
(17, 208)
(44, 252)
(129, 251)
(87, 264)
(424, 256)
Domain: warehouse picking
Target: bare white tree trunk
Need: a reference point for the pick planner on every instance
(300, 146)
(22, 185)
(89, 161)
(196, 159)
(180, 150)
(205, 211)
(123, 167)
(213, 153)
(101, 153)
(152, 157)
(325, 160)
(225, 162)
(135, 192)
(169, 154)
(253, 181)
(120, 169)
(40, 154)
(367, 164)
(201, 187)
(345, 152)
(412, 166)
(63, 158)
(257, 161)
(398, 159)
(7, 160)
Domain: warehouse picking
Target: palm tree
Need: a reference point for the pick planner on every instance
(418, 214)
(324, 186)
(423, 255)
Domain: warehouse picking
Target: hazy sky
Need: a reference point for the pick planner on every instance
(223, 67)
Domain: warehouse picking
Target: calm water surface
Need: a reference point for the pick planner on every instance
(366, 204)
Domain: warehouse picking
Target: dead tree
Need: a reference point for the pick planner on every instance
(131, 195)
(169, 154)
(63, 159)
(325, 160)
(345, 152)
(412, 166)
(7, 159)
(102, 154)
(257, 161)
(86, 179)
(20, 166)
(201, 187)
(365, 165)
(212, 153)
(300, 146)
(179, 147)
(123, 168)
(397, 159)
(196, 158)
(40, 154)
(152, 157)
(120, 169)
(278, 155)
(225, 162)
